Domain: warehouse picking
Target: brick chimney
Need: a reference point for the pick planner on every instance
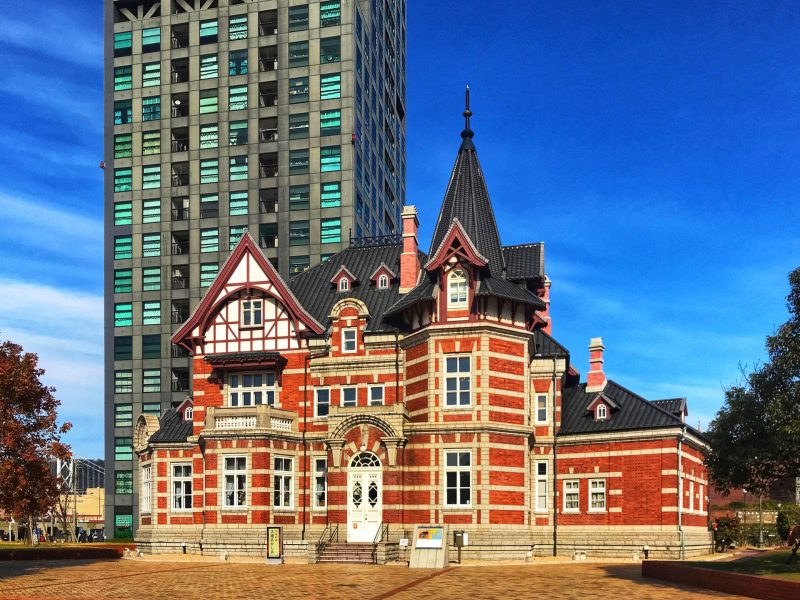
(596, 380)
(409, 260)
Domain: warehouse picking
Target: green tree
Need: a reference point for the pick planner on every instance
(755, 437)
(29, 435)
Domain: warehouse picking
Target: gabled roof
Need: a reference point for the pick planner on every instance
(382, 267)
(675, 406)
(172, 428)
(343, 271)
(425, 290)
(524, 261)
(543, 344)
(456, 235)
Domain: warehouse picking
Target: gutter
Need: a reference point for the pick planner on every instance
(309, 478)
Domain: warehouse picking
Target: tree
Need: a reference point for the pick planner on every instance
(755, 438)
(29, 435)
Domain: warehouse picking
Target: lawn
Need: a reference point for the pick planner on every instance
(769, 563)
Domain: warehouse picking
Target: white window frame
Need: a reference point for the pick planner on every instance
(236, 395)
(344, 284)
(349, 346)
(457, 288)
(146, 490)
(572, 492)
(283, 483)
(374, 389)
(597, 487)
(541, 482)
(178, 488)
(188, 413)
(458, 469)
(320, 482)
(383, 282)
(251, 309)
(316, 403)
(601, 412)
(355, 396)
(239, 495)
(541, 399)
(458, 377)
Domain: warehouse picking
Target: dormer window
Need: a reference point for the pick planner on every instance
(252, 312)
(383, 282)
(601, 412)
(344, 284)
(457, 286)
(187, 414)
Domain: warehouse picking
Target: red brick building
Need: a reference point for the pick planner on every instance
(387, 387)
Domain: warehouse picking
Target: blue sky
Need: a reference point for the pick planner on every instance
(653, 147)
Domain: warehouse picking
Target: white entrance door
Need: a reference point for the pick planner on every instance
(364, 498)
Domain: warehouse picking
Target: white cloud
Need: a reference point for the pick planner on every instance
(57, 34)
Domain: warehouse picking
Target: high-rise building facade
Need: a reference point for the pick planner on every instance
(283, 118)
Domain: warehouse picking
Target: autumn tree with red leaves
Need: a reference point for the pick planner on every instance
(29, 435)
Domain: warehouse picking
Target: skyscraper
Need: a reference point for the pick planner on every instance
(283, 118)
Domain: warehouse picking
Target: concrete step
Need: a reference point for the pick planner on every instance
(347, 553)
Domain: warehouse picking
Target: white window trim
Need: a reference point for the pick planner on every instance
(576, 492)
(383, 282)
(546, 409)
(283, 475)
(243, 310)
(458, 469)
(188, 413)
(173, 480)
(344, 284)
(451, 283)
(225, 473)
(345, 331)
(541, 479)
(316, 402)
(315, 504)
(457, 376)
(605, 496)
(341, 396)
(383, 395)
(146, 490)
(601, 412)
(264, 389)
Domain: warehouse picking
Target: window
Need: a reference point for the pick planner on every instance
(330, 122)
(329, 50)
(320, 482)
(123, 415)
(376, 395)
(298, 54)
(572, 495)
(123, 314)
(330, 86)
(123, 482)
(298, 126)
(238, 203)
(601, 413)
(209, 135)
(457, 381)
(298, 90)
(458, 478)
(151, 279)
(123, 145)
(151, 408)
(283, 482)
(237, 62)
(457, 286)
(235, 233)
(298, 197)
(209, 68)
(123, 347)
(123, 78)
(123, 381)
(251, 389)
(123, 280)
(344, 284)
(123, 213)
(209, 205)
(330, 231)
(383, 282)
(151, 313)
(209, 101)
(330, 158)
(151, 380)
(181, 486)
(298, 161)
(123, 112)
(349, 335)
(188, 413)
(252, 312)
(298, 17)
(123, 449)
(208, 272)
(349, 396)
(237, 98)
(123, 180)
(209, 31)
(151, 39)
(151, 244)
(235, 478)
(151, 108)
(209, 240)
(237, 27)
(146, 490)
(209, 170)
(298, 264)
(151, 346)
(151, 142)
(151, 74)
(151, 177)
(123, 247)
(541, 408)
(123, 43)
(237, 133)
(541, 485)
(322, 401)
(597, 495)
(237, 167)
(329, 13)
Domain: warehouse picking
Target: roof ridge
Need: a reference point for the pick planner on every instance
(525, 245)
(646, 401)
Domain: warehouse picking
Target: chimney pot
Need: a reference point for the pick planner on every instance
(596, 380)
(409, 260)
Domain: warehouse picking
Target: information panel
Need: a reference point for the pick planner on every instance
(430, 537)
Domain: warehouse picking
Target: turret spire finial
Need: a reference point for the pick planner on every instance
(467, 133)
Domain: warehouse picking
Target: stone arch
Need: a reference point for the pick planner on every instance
(363, 311)
(356, 420)
(146, 425)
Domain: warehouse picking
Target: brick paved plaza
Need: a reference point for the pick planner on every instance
(149, 579)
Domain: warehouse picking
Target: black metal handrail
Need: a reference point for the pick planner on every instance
(329, 534)
(378, 240)
(380, 535)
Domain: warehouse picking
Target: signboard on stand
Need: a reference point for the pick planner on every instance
(430, 547)
(430, 537)
(274, 545)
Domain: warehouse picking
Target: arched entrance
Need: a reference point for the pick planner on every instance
(364, 497)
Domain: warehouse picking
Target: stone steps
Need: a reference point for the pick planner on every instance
(347, 553)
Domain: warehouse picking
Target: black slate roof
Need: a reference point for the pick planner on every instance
(525, 261)
(172, 428)
(544, 345)
(317, 294)
(634, 412)
(501, 288)
(675, 406)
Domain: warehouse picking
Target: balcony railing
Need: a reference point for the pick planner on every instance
(268, 135)
(268, 64)
(179, 317)
(268, 170)
(180, 282)
(269, 241)
(179, 111)
(268, 100)
(180, 385)
(179, 352)
(180, 75)
(180, 40)
(268, 28)
(180, 179)
(181, 247)
(262, 416)
(181, 145)
(180, 214)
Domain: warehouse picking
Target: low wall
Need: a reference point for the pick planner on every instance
(66, 552)
(766, 588)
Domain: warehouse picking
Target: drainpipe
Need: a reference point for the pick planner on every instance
(680, 494)
(555, 464)
(202, 445)
(309, 478)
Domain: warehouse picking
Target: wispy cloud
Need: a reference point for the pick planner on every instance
(56, 33)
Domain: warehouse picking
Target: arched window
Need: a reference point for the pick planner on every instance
(187, 414)
(344, 284)
(601, 413)
(383, 282)
(365, 460)
(457, 286)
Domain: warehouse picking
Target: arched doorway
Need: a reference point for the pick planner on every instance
(364, 497)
